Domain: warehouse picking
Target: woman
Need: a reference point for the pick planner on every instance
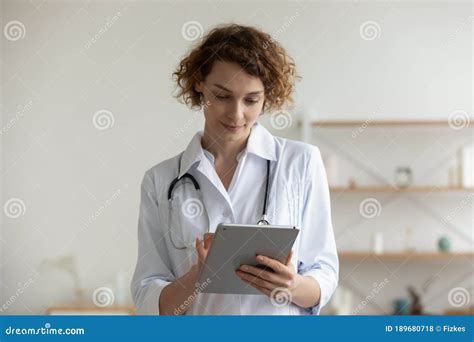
(235, 75)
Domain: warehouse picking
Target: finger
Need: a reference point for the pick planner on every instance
(288, 260)
(207, 240)
(256, 280)
(210, 235)
(200, 249)
(259, 288)
(269, 276)
(275, 265)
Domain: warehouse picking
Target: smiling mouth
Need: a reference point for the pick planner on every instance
(233, 128)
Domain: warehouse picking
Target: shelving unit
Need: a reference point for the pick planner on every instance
(409, 189)
(366, 259)
(348, 256)
(357, 123)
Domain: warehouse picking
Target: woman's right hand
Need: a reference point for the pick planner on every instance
(202, 248)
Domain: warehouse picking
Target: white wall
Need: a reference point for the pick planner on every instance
(58, 76)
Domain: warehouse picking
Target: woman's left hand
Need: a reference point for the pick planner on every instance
(280, 283)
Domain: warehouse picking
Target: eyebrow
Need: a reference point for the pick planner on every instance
(230, 91)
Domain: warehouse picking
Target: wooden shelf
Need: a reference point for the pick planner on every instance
(90, 310)
(409, 189)
(402, 256)
(368, 123)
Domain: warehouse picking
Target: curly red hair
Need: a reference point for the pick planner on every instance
(255, 51)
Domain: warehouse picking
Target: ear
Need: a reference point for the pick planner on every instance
(198, 87)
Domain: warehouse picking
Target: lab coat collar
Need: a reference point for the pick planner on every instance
(260, 143)
(193, 154)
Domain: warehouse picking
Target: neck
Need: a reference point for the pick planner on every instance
(223, 149)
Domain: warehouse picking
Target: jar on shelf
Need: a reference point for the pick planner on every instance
(403, 177)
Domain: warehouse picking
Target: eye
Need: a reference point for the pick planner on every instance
(221, 97)
(251, 101)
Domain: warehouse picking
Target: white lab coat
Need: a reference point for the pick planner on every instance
(298, 196)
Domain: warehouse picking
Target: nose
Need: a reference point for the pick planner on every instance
(236, 111)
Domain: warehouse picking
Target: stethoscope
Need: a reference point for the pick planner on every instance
(262, 221)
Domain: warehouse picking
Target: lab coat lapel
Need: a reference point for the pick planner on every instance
(215, 197)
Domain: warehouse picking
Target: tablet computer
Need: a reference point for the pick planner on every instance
(236, 244)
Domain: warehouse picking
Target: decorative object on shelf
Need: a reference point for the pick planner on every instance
(444, 244)
(416, 307)
(377, 243)
(403, 176)
(352, 184)
(466, 165)
(67, 263)
(342, 301)
(409, 239)
(401, 306)
(121, 288)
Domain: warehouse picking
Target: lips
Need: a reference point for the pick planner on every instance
(232, 128)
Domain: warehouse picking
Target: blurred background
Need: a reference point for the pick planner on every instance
(87, 107)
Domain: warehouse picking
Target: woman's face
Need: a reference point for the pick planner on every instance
(233, 101)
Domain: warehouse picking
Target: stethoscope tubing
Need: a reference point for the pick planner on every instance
(262, 221)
